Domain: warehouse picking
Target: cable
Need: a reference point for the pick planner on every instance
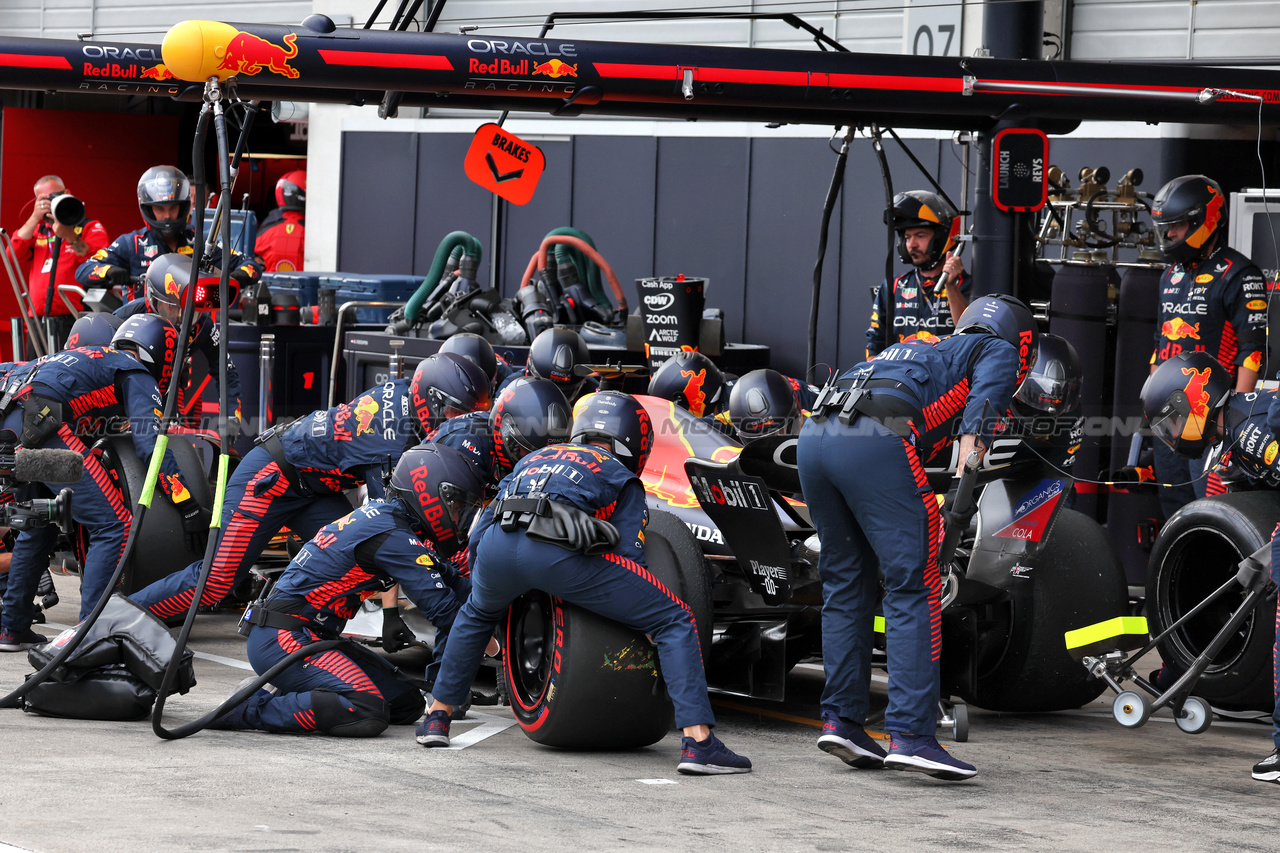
(833, 193)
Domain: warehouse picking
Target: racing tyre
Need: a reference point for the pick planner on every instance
(578, 680)
(1077, 582)
(1196, 552)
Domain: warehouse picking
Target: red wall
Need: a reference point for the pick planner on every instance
(100, 156)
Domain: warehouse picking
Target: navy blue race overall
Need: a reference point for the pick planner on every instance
(915, 310)
(866, 488)
(472, 434)
(506, 564)
(296, 480)
(136, 250)
(368, 551)
(100, 391)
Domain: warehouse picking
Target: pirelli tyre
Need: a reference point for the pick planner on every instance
(580, 681)
(1197, 551)
(161, 548)
(1077, 581)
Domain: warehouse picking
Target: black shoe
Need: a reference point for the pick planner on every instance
(1268, 769)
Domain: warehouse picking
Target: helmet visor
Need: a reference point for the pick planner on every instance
(1050, 395)
(1176, 422)
(462, 507)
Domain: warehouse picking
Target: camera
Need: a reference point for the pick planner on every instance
(38, 512)
(66, 209)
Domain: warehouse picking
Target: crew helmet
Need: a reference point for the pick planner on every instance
(443, 491)
(691, 381)
(446, 385)
(620, 420)
(922, 209)
(152, 340)
(555, 355)
(763, 403)
(93, 330)
(1181, 400)
(1008, 318)
(1053, 385)
(1194, 199)
(164, 185)
(291, 190)
(528, 415)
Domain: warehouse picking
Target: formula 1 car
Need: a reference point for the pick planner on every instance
(726, 536)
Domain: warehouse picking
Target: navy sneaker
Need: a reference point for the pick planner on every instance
(923, 754)
(1268, 769)
(849, 743)
(434, 729)
(710, 757)
(16, 641)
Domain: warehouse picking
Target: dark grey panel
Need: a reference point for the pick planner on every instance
(549, 208)
(1118, 155)
(375, 224)
(613, 201)
(701, 218)
(448, 200)
(789, 181)
(862, 234)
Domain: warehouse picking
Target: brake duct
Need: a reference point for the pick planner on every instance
(645, 80)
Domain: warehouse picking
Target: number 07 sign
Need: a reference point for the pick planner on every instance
(932, 28)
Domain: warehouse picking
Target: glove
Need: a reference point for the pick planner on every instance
(1133, 474)
(242, 277)
(195, 524)
(395, 634)
(574, 530)
(113, 275)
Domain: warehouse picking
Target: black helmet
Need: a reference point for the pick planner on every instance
(291, 190)
(93, 330)
(474, 349)
(444, 386)
(529, 414)
(1194, 199)
(554, 354)
(167, 278)
(763, 403)
(1053, 385)
(620, 420)
(165, 185)
(691, 381)
(1005, 317)
(920, 209)
(152, 340)
(1182, 398)
(443, 491)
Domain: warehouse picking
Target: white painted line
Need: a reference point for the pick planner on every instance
(490, 726)
(9, 848)
(658, 781)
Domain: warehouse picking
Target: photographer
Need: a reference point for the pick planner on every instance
(33, 245)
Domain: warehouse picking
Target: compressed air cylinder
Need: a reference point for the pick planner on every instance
(1078, 312)
(1133, 513)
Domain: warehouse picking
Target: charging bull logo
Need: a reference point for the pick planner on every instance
(1212, 216)
(693, 393)
(365, 409)
(1198, 399)
(1178, 328)
(159, 72)
(248, 54)
(170, 286)
(555, 68)
(177, 492)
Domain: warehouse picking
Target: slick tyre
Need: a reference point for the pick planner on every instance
(1196, 552)
(580, 681)
(1077, 582)
(161, 548)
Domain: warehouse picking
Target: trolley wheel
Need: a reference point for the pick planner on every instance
(960, 728)
(1130, 709)
(1195, 716)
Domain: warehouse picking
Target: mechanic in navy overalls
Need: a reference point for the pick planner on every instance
(1212, 299)
(585, 504)
(296, 476)
(927, 227)
(164, 199)
(66, 401)
(166, 279)
(1191, 408)
(529, 414)
(397, 540)
(863, 479)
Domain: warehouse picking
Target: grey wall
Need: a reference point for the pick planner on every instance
(743, 212)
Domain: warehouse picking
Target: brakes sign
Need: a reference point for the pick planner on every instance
(505, 164)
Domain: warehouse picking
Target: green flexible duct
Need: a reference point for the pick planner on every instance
(470, 246)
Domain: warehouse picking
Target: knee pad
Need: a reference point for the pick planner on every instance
(407, 708)
(349, 714)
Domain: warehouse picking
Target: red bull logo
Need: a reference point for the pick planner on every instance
(1178, 328)
(177, 492)
(555, 68)
(1198, 398)
(159, 72)
(365, 409)
(170, 286)
(248, 54)
(693, 393)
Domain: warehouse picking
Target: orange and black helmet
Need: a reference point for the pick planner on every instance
(1181, 401)
(691, 381)
(921, 209)
(1194, 199)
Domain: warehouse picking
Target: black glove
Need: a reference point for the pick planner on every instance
(242, 277)
(1132, 474)
(117, 277)
(574, 530)
(395, 634)
(195, 524)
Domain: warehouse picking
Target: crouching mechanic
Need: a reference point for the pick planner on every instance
(296, 476)
(397, 540)
(66, 401)
(860, 459)
(569, 520)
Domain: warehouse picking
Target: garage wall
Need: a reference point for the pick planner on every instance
(1173, 29)
(742, 211)
(139, 20)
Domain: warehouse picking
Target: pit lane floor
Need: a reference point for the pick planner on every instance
(1070, 781)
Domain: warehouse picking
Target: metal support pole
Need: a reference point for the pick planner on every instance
(266, 371)
(396, 362)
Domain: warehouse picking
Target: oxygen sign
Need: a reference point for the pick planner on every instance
(1019, 158)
